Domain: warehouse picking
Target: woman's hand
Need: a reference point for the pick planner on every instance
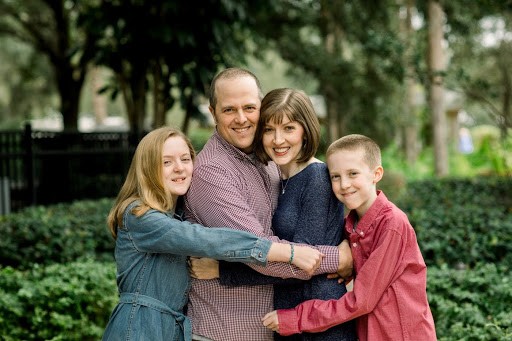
(203, 268)
(307, 258)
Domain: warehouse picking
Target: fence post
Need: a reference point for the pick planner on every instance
(5, 196)
(29, 164)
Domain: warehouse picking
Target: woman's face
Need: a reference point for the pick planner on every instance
(283, 142)
(177, 166)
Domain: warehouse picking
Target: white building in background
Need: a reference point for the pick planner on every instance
(86, 124)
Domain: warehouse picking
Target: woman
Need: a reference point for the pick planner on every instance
(152, 242)
(308, 212)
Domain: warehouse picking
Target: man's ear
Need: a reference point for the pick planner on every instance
(212, 111)
(378, 173)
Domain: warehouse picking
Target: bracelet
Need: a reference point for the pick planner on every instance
(291, 254)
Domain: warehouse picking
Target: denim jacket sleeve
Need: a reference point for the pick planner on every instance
(156, 232)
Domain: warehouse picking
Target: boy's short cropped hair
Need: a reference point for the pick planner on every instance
(356, 141)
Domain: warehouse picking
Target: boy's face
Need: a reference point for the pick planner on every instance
(352, 180)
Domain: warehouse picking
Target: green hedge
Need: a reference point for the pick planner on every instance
(461, 222)
(56, 234)
(471, 304)
(73, 302)
(57, 302)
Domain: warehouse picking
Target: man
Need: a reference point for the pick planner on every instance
(231, 188)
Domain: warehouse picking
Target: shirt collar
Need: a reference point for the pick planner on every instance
(232, 150)
(366, 222)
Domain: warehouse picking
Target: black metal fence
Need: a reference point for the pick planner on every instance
(42, 168)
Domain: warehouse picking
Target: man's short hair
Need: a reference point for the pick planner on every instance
(231, 73)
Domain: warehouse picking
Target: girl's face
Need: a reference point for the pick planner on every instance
(177, 166)
(283, 142)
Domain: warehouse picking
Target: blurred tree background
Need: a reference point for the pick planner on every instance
(408, 73)
(429, 80)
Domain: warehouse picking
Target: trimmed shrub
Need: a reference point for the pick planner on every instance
(461, 222)
(58, 233)
(471, 304)
(57, 302)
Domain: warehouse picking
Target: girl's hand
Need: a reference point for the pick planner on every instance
(203, 268)
(307, 258)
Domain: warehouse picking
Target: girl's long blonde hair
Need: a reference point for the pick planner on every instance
(144, 180)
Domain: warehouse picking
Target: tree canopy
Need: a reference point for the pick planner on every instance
(367, 58)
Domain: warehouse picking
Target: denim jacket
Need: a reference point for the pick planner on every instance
(152, 275)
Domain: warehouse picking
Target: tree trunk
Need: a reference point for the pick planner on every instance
(133, 88)
(504, 67)
(99, 102)
(436, 64)
(410, 141)
(190, 108)
(333, 131)
(159, 94)
(139, 104)
(333, 44)
(69, 91)
(69, 75)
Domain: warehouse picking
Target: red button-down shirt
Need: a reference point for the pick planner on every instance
(389, 297)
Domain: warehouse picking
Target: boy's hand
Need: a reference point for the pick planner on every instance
(345, 266)
(271, 321)
(203, 268)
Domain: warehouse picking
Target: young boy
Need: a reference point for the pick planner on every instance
(389, 298)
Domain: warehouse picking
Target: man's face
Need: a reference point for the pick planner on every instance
(237, 111)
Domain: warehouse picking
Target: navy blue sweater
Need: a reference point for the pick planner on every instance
(309, 213)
